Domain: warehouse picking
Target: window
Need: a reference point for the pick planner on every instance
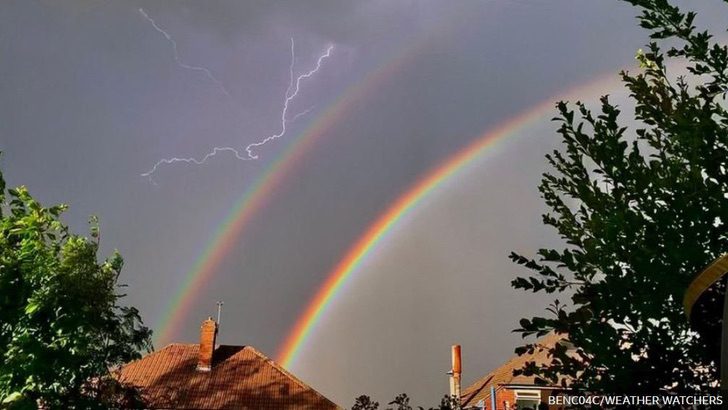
(527, 399)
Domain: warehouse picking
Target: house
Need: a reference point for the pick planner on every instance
(514, 392)
(207, 376)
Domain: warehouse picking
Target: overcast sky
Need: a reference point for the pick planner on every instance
(91, 96)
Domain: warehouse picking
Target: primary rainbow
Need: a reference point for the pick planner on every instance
(177, 311)
(405, 203)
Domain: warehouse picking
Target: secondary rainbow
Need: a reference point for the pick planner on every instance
(405, 203)
(227, 233)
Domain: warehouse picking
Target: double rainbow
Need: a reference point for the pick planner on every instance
(257, 195)
(405, 203)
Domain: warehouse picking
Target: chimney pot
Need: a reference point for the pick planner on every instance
(208, 334)
(456, 362)
(455, 373)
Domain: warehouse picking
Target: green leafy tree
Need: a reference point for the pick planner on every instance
(62, 328)
(640, 210)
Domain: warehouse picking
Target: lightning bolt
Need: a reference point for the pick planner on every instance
(290, 95)
(215, 151)
(294, 87)
(178, 59)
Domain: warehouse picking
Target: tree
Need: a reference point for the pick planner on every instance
(364, 402)
(62, 328)
(402, 402)
(640, 212)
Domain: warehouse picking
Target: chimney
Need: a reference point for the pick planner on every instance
(455, 373)
(208, 333)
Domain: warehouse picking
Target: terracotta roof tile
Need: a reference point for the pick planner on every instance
(241, 378)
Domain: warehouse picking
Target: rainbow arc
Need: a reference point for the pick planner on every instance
(428, 184)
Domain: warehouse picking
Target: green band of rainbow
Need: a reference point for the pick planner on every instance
(377, 231)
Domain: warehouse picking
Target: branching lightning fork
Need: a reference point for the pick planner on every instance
(290, 95)
(294, 86)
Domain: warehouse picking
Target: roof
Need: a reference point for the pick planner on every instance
(241, 378)
(503, 375)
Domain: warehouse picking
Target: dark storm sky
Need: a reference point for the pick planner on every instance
(91, 97)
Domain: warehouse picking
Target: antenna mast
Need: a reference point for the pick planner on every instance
(219, 310)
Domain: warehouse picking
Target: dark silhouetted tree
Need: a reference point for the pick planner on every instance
(640, 210)
(364, 403)
(402, 402)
